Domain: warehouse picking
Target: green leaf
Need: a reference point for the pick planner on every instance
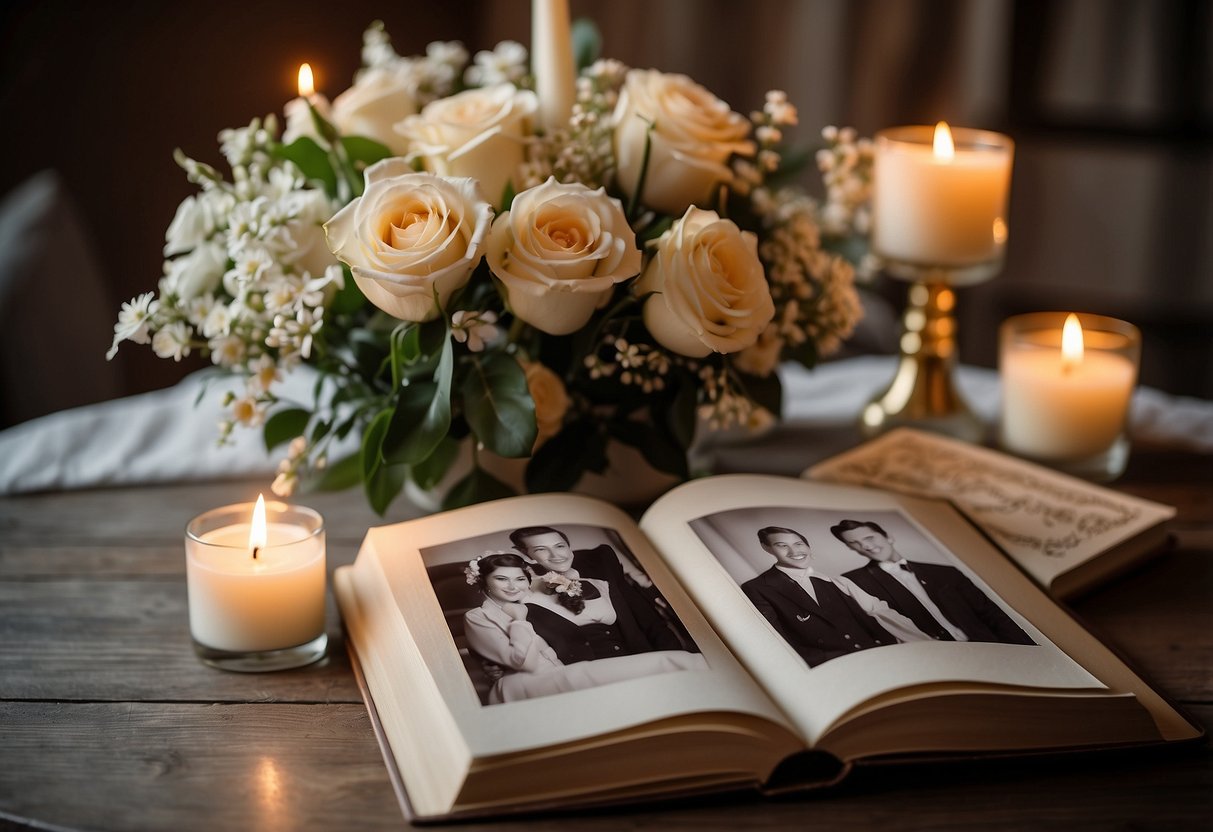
(507, 195)
(312, 160)
(336, 477)
(404, 350)
(434, 336)
(423, 414)
(349, 298)
(284, 426)
(655, 230)
(587, 42)
(372, 444)
(561, 460)
(384, 485)
(363, 151)
(381, 481)
(320, 430)
(477, 487)
(634, 203)
(429, 472)
(498, 405)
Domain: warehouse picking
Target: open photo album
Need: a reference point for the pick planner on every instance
(749, 632)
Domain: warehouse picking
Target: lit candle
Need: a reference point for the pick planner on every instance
(1066, 387)
(299, 121)
(552, 62)
(939, 197)
(255, 577)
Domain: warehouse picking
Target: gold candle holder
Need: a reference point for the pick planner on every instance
(939, 208)
(923, 392)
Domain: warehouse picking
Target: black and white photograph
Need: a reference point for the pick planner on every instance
(834, 582)
(542, 610)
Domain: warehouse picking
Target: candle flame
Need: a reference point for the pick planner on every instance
(257, 534)
(307, 84)
(1071, 342)
(945, 149)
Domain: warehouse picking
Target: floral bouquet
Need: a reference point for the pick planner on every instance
(469, 264)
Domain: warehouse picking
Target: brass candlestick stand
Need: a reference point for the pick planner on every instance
(923, 392)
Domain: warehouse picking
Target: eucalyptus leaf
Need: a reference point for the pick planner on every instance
(498, 406)
(587, 42)
(284, 426)
(477, 487)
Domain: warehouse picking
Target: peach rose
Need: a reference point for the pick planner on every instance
(559, 251)
(410, 234)
(711, 290)
(692, 134)
(479, 133)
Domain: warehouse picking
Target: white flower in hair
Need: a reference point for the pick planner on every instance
(472, 570)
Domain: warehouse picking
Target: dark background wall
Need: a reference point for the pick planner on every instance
(1110, 103)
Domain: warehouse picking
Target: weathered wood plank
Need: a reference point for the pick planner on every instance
(268, 767)
(1161, 617)
(153, 767)
(84, 639)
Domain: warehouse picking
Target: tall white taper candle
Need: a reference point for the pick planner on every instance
(552, 62)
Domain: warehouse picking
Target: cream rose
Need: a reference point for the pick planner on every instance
(559, 251)
(712, 293)
(551, 400)
(693, 134)
(478, 133)
(408, 235)
(378, 100)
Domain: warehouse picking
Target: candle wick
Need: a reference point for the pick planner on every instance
(255, 549)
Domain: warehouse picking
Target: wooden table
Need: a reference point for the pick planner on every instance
(107, 721)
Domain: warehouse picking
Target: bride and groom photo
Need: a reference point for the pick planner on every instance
(542, 610)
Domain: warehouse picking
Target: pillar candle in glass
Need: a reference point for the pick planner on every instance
(939, 201)
(1066, 384)
(255, 577)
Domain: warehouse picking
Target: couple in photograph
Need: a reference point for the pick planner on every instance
(557, 619)
(889, 600)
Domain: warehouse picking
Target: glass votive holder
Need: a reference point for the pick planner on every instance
(256, 609)
(939, 208)
(1067, 379)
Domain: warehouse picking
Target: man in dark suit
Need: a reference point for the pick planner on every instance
(938, 598)
(638, 627)
(819, 616)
